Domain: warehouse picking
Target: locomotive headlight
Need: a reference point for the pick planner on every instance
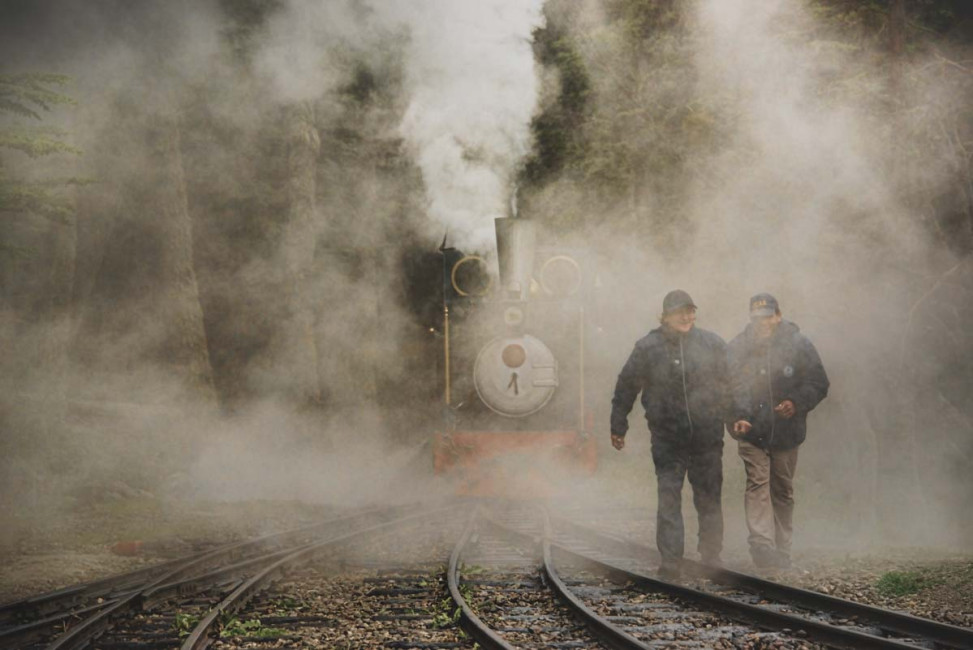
(513, 316)
(514, 355)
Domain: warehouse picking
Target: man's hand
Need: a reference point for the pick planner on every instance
(740, 429)
(785, 409)
(618, 442)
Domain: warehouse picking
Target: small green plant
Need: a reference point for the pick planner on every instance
(185, 623)
(287, 604)
(250, 628)
(899, 583)
(445, 614)
(441, 620)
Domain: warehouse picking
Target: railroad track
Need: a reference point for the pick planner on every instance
(186, 603)
(500, 575)
(609, 586)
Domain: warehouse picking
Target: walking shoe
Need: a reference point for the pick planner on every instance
(783, 560)
(764, 557)
(669, 571)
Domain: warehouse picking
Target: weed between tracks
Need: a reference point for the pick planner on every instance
(900, 583)
(445, 613)
(184, 624)
(253, 628)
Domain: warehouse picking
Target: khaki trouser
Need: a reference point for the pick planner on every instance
(769, 498)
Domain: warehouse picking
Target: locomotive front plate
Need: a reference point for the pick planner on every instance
(515, 377)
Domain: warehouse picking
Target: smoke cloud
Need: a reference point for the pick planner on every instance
(472, 86)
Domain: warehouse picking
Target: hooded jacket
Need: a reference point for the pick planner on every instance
(683, 381)
(765, 372)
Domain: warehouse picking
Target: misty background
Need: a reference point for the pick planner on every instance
(219, 274)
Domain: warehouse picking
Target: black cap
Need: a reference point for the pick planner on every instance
(762, 305)
(676, 300)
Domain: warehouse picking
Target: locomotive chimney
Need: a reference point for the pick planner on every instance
(515, 255)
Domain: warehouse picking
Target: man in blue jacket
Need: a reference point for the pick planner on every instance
(777, 377)
(681, 372)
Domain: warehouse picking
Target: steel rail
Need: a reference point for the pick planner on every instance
(606, 631)
(112, 587)
(81, 634)
(905, 624)
(468, 620)
(54, 600)
(751, 614)
(35, 630)
(201, 636)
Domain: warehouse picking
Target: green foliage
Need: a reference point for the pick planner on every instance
(628, 128)
(899, 583)
(287, 604)
(253, 628)
(40, 198)
(36, 142)
(185, 623)
(25, 96)
(445, 614)
(556, 129)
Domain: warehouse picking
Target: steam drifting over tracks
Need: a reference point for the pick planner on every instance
(151, 608)
(398, 578)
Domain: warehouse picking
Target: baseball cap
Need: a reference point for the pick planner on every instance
(676, 299)
(762, 305)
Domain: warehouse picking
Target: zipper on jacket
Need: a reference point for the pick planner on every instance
(685, 392)
(770, 389)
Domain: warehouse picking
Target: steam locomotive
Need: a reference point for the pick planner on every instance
(516, 421)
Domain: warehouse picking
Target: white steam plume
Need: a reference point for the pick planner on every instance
(473, 86)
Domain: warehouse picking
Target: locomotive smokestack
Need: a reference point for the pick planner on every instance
(515, 255)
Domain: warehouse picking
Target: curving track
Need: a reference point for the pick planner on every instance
(500, 575)
(154, 607)
(609, 587)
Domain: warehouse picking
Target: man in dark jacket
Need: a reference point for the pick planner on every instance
(777, 378)
(681, 372)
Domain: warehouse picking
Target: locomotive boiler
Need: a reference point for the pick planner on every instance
(515, 421)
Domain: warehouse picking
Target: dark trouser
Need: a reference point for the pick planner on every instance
(703, 461)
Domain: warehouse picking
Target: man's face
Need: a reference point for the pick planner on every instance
(765, 326)
(681, 319)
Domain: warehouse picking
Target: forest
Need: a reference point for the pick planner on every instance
(223, 218)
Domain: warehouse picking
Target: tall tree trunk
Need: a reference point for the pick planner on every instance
(295, 355)
(141, 319)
